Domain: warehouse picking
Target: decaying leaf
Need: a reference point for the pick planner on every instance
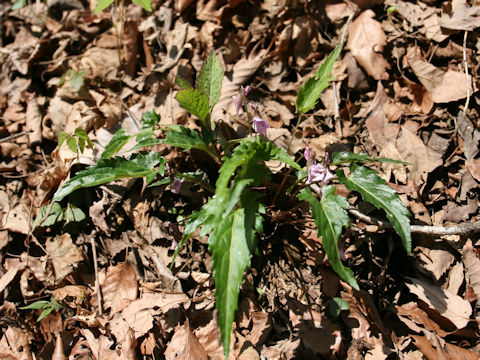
(366, 40)
(119, 287)
(184, 345)
(449, 305)
(63, 254)
(472, 266)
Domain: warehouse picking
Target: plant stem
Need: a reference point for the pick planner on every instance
(294, 132)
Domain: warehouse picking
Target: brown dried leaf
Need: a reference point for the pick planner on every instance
(12, 271)
(464, 17)
(413, 313)
(366, 40)
(14, 345)
(449, 305)
(58, 353)
(63, 255)
(473, 165)
(184, 345)
(438, 352)
(119, 287)
(445, 86)
(139, 313)
(472, 267)
(209, 337)
(436, 261)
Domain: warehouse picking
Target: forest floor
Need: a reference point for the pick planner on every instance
(405, 86)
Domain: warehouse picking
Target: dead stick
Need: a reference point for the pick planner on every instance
(465, 62)
(459, 229)
(97, 281)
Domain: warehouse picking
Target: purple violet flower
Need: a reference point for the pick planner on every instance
(246, 90)
(175, 185)
(237, 100)
(260, 126)
(318, 172)
(307, 153)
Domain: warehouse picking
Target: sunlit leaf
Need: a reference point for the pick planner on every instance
(210, 79)
(310, 92)
(116, 143)
(194, 101)
(102, 5)
(375, 190)
(343, 157)
(146, 4)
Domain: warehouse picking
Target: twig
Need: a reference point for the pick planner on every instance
(336, 116)
(345, 29)
(465, 62)
(460, 229)
(95, 266)
(14, 136)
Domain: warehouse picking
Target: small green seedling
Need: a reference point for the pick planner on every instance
(75, 142)
(47, 306)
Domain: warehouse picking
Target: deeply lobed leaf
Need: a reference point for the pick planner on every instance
(375, 190)
(330, 217)
(185, 138)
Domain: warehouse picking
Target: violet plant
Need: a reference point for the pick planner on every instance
(233, 217)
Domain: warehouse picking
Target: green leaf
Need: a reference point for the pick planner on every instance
(349, 157)
(19, 4)
(184, 84)
(375, 190)
(77, 78)
(210, 79)
(146, 4)
(185, 138)
(309, 93)
(55, 215)
(330, 217)
(61, 138)
(74, 214)
(337, 305)
(150, 119)
(39, 304)
(102, 5)
(108, 170)
(196, 102)
(72, 144)
(115, 144)
(44, 314)
(231, 256)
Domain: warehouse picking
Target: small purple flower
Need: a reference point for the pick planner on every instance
(246, 90)
(253, 107)
(175, 185)
(260, 126)
(307, 153)
(318, 172)
(237, 100)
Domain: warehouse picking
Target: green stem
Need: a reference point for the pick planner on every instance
(294, 132)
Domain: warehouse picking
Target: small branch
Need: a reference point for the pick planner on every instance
(465, 62)
(97, 281)
(460, 229)
(14, 136)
